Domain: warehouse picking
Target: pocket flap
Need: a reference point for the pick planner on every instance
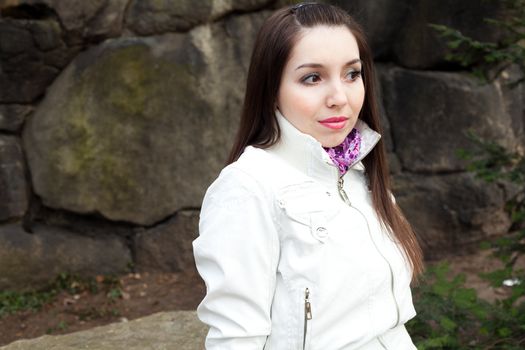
(311, 205)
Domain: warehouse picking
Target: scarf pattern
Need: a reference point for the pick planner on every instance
(345, 154)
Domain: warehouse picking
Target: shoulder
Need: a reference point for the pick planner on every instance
(256, 172)
(240, 194)
(246, 177)
(255, 166)
(256, 162)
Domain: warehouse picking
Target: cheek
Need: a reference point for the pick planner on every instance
(357, 97)
(297, 100)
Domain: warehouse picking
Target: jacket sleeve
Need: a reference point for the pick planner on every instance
(236, 254)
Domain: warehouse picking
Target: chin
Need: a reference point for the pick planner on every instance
(333, 141)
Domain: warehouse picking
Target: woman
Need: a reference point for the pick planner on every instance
(301, 245)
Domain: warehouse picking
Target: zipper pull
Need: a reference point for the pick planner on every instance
(342, 192)
(307, 305)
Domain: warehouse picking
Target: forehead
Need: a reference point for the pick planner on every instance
(325, 45)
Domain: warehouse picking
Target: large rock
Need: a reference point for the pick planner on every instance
(90, 19)
(514, 100)
(148, 17)
(31, 260)
(87, 19)
(451, 212)
(168, 246)
(38, 38)
(431, 112)
(12, 116)
(386, 135)
(31, 54)
(13, 187)
(180, 330)
(417, 45)
(380, 20)
(137, 128)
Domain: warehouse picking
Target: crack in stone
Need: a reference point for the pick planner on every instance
(29, 11)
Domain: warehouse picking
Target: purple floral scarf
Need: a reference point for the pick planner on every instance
(347, 152)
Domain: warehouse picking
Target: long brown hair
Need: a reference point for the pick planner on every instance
(259, 127)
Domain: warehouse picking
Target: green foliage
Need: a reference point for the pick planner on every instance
(92, 313)
(114, 293)
(61, 326)
(482, 56)
(490, 161)
(74, 284)
(451, 316)
(12, 302)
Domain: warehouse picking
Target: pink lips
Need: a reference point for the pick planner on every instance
(334, 122)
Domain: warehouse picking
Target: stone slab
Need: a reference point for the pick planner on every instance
(29, 260)
(168, 247)
(180, 330)
(431, 113)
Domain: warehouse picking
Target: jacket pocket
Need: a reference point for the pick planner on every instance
(309, 205)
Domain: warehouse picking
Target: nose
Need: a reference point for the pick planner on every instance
(336, 96)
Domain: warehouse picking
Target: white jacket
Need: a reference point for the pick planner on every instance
(292, 261)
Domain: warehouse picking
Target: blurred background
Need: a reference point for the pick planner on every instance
(116, 115)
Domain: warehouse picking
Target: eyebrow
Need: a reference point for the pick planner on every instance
(318, 65)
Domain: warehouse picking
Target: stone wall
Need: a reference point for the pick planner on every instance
(115, 116)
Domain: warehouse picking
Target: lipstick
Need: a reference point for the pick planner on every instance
(334, 122)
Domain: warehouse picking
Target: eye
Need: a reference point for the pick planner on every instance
(353, 74)
(310, 78)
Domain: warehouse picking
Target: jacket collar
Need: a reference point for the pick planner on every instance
(305, 153)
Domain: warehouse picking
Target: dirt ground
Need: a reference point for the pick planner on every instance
(140, 295)
(148, 293)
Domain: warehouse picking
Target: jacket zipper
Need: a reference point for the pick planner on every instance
(344, 197)
(342, 192)
(307, 314)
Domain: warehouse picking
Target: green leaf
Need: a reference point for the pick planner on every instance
(504, 332)
(485, 245)
(465, 298)
(447, 324)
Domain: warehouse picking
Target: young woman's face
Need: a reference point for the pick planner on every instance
(321, 91)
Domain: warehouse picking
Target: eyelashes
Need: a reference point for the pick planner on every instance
(307, 79)
(354, 74)
(313, 78)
